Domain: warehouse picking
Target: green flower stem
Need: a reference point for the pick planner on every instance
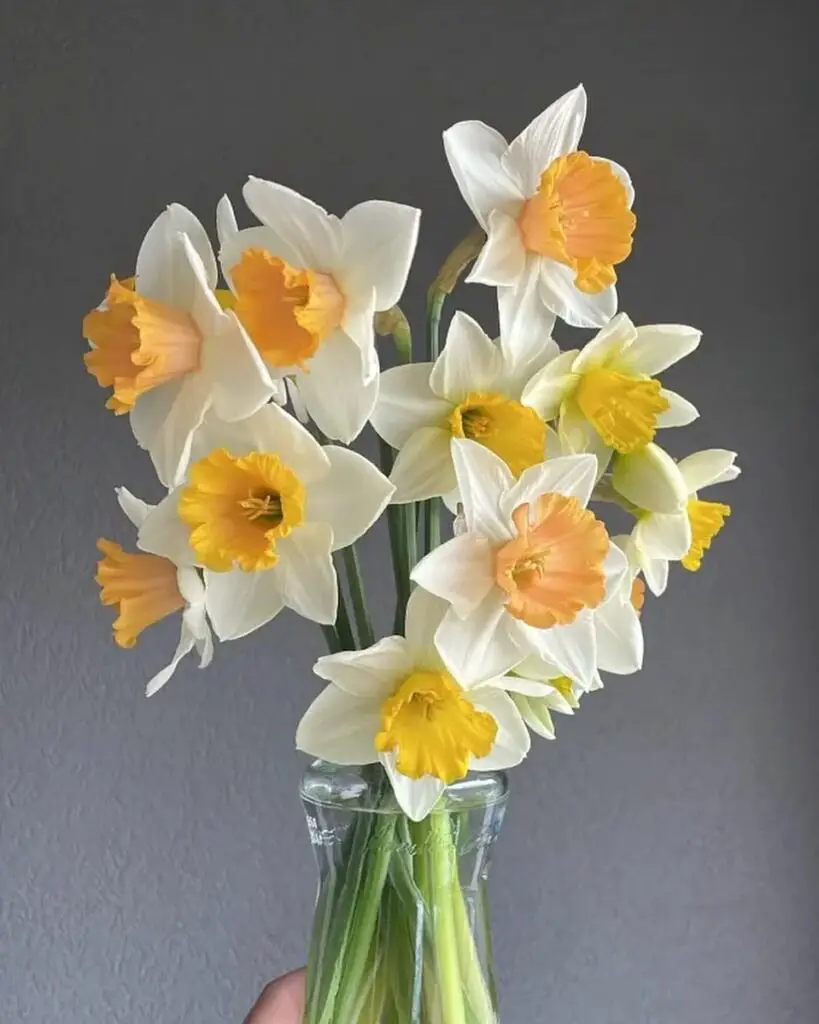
(396, 524)
(343, 627)
(364, 921)
(444, 875)
(366, 636)
(332, 639)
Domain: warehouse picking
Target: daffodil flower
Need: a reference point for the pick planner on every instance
(558, 220)
(307, 285)
(473, 390)
(148, 587)
(529, 570)
(605, 396)
(401, 704)
(686, 534)
(262, 510)
(562, 695)
(168, 349)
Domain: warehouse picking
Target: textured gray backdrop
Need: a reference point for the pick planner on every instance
(659, 862)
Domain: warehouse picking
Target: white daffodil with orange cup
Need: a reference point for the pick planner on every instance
(518, 617)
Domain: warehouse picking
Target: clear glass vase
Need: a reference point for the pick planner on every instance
(401, 928)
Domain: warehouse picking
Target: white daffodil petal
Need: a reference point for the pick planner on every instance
(334, 394)
(474, 152)
(624, 177)
(271, 429)
(226, 225)
(664, 536)
(162, 272)
(502, 260)
(659, 346)
(406, 403)
(372, 674)
(423, 468)
(239, 602)
(578, 436)
(619, 637)
(416, 797)
(163, 533)
(571, 475)
(514, 683)
(607, 345)
(655, 571)
(706, 468)
(358, 324)
(469, 362)
(340, 728)
(551, 134)
(164, 421)
(425, 613)
(680, 411)
(350, 497)
(570, 648)
(551, 386)
(558, 292)
(617, 569)
(479, 647)
(525, 322)
(483, 478)
(461, 571)
(185, 646)
(134, 508)
(306, 572)
(239, 381)
(650, 479)
(536, 715)
(378, 243)
(512, 740)
(304, 226)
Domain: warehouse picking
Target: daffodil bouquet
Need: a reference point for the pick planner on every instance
(248, 375)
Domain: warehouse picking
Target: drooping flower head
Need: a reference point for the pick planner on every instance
(401, 704)
(168, 349)
(532, 565)
(262, 509)
(558, 220)
(147, 587)
(306, 286)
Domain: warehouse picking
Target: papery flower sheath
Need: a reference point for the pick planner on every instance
(686, 534)
(473, 390)
(398, 703)
(307, 285)
(558, 220)
(262, 509)
(168, 349)
(531, 567)
(147, 588)
(605, 396)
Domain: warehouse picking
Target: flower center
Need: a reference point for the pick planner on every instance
(622, 409)
(554, 567)
(144, 586)
(579, 216)
(434, 727)
(287, 312)
(238, 508)
(138, 344)
(707, 518)
(512, 431)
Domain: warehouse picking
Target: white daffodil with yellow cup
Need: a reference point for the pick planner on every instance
(247, 375)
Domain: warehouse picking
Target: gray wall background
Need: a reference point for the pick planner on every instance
(659, 862)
